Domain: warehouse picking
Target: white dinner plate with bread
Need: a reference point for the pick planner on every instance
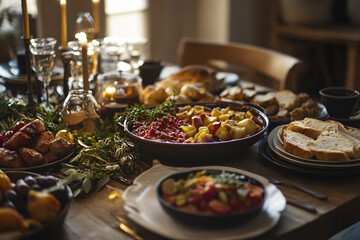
(315, 143)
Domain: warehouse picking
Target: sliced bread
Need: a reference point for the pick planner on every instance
(322, 152)
(336, 141)
(287, 99)
(296, 143)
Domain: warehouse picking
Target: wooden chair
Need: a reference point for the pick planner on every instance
(281, 68)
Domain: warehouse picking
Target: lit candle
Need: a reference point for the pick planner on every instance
(109, 92)
(82, 38)
(96, 15)
(63, 24)
(25, 18)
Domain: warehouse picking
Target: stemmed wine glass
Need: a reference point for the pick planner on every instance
(136, 50)
(43, 60)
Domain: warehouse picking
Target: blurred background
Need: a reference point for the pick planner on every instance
(325, 34)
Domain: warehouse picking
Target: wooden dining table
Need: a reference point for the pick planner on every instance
(94, 216)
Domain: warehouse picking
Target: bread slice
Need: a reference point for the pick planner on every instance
(287, 99)
(296, 143)
(299, 126)
(336, 141)
(265, 100)
(355, 142)
(322, 152)
(313, 127)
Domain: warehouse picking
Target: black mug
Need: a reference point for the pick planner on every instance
(340, 102)
(150, 71)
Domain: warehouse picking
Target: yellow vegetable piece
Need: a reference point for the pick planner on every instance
(225, 110)
(181, 115)
(168, 186)
(42, 206)
(198, 109)
(189, 140)
(185, 109)
(190, 183)
(223, 197)
(248, 114)
(238, 132)
(189, 131)
(180, 200)
(223, 117)
(11, 220)
(224, 132)
(250, 126)
(216, 112)
(5, 183)
(67, 135)
(204, 129)
(203, 137)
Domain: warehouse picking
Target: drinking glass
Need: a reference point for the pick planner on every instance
(43, 60)
(85, 23)
(136, 50)
(112, 49)
(76, 63)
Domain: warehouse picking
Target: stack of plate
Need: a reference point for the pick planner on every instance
(273, 150)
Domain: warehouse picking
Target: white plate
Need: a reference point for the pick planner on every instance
(143, 208)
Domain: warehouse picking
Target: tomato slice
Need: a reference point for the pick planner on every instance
(170, 198)
(219, 207)
(255, 193)
(209, 191)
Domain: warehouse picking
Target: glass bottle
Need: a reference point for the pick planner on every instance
(80, 112)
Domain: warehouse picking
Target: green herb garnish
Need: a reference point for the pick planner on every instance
(229, 178)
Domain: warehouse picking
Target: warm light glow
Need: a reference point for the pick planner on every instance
(95, 1)
(115, 194)
(63, 24)
(81, 37)
(110, 90)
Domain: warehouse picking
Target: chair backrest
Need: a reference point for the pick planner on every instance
(282, 68)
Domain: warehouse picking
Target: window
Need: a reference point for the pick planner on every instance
(126, 18)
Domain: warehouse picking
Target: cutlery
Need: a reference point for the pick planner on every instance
(308, 191)
(126, 229)
(304, 206)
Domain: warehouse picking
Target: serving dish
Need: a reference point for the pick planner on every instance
(43, 166)
(143, 208)
(202, 151)
(50, 228)
(204, 218)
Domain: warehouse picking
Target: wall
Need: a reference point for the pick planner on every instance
(250, 21)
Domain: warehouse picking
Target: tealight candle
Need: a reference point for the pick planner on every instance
(109, 92)
(96, 15)
(25, 18)
(84, 55)
(63, 24)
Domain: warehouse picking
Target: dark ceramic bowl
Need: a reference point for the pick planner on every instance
(52, 228)
(340, 102)
(204, 219)
(202, 151)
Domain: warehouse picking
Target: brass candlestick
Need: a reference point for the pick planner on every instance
(31, 101)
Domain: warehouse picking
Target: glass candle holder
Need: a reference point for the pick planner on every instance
(80, 112)
(119, 89)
